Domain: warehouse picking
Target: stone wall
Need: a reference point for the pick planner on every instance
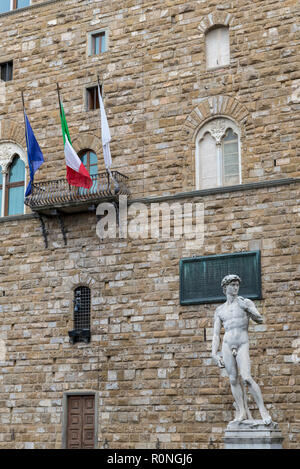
(156, 83)
(149, 358)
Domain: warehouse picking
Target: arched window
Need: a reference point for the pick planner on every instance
(218, 159)
(14, 200)
(217, 47)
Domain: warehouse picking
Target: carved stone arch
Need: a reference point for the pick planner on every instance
(216, 18)
(208, 109)
(87, 142)
(12, 131)
(81, 279)
(8, 150)
(12, 142)
(216, 106)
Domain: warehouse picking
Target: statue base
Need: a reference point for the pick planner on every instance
(252, 434)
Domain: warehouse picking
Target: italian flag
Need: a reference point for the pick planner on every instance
(77, 174)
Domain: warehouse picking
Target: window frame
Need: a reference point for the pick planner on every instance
(90, 42)
(81, 331)
(8, 151)
(92, 99)
(87, 97)
(219, 41)
(10, 185)
(87, 152)
(217, 128)
(83, 321)
(13, 6)
(8, 72)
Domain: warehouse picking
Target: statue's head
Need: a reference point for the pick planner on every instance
(228, 279)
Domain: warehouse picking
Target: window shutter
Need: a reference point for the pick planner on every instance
(212, 49)
(223, 46)
(22, 3)
(217, 47)
(4, 6)
(230, 158)
(208, 162)
(15, 187)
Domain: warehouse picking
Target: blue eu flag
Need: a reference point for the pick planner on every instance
(34, 154)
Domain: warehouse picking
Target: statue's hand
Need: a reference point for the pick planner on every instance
(243, 303)
(218, 360)
(250, 309)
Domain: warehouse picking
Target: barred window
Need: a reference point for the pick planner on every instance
(82, 308)
(82, 315)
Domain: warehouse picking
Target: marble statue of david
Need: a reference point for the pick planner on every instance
(234, 316)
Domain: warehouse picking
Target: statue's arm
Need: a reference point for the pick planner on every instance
(216, 341)
(252, 311)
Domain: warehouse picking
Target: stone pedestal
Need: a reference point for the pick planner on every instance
(252, 434)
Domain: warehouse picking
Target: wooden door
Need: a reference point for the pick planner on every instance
(81, 422)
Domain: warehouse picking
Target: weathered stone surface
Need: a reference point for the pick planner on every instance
(149, 358)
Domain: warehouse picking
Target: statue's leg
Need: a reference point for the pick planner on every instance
(243, 361)
(236, 389)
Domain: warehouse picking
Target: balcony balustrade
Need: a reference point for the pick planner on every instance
(57, 194)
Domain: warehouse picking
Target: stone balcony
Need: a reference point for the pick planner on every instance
(50, 197)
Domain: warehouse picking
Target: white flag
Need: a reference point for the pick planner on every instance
(105, 133)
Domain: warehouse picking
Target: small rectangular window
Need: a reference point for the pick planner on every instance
(6, 71)
(93, 98)
(98, 43)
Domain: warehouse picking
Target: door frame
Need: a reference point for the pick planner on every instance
(66, 395)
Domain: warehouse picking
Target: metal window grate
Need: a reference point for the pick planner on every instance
(82, 308)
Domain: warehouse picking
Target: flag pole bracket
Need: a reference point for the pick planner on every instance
(44, 231)
(62, 226)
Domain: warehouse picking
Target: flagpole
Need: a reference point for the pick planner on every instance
(59, 100)
(26, 133)
(60, 113)
(108, 170)
(26, 137)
